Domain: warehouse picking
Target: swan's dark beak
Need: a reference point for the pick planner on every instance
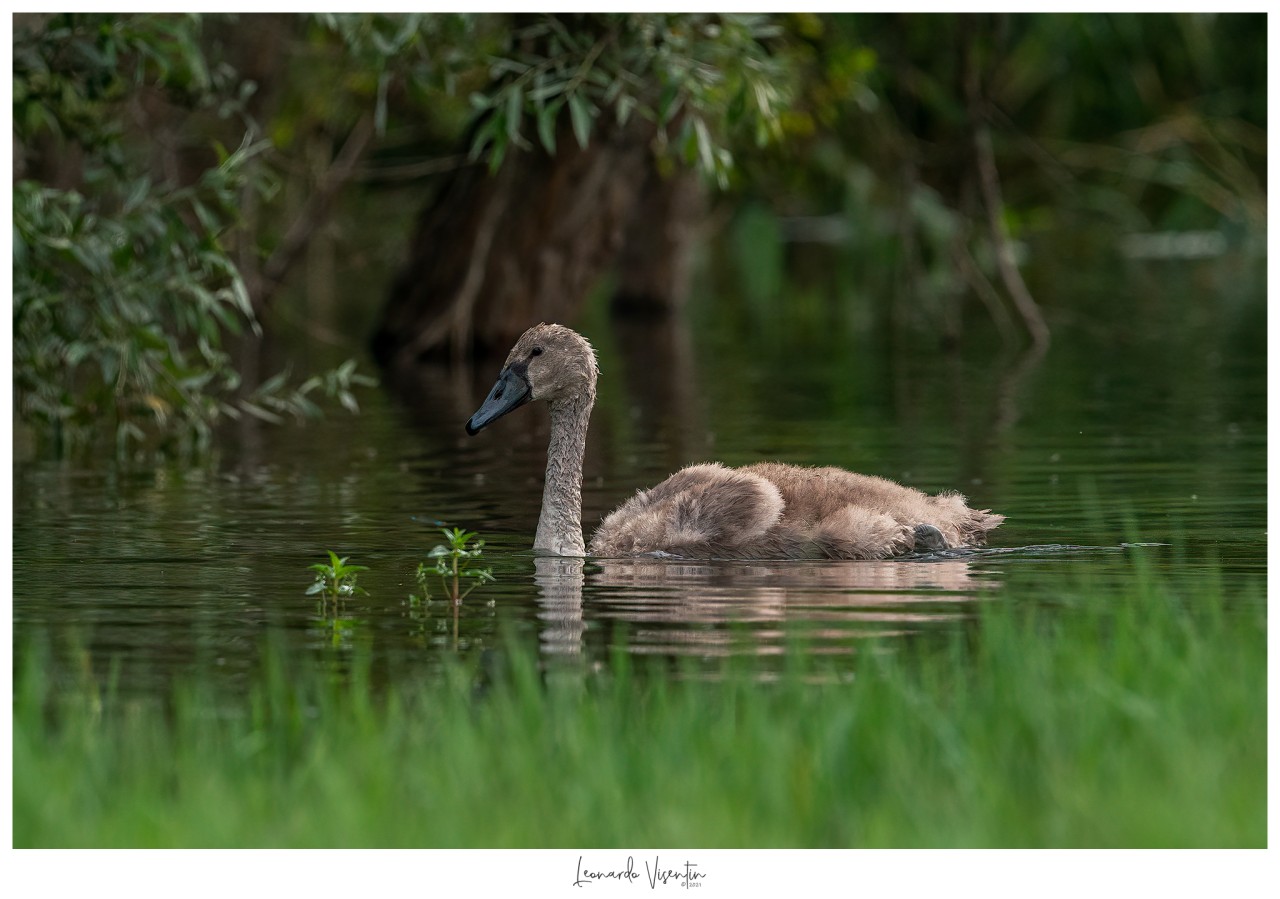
(511, 391)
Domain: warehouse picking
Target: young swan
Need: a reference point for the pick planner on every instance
(764, 511)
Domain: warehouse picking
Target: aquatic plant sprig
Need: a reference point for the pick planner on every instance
(421, 577)
(337, 580)
(454, 562)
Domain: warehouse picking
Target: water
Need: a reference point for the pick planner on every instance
(1141, 431)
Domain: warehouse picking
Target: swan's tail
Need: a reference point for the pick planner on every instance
(974, 529)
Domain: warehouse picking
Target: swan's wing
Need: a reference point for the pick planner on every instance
(697, 508)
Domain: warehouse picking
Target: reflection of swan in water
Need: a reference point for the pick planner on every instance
(559, 580)
(677, 606)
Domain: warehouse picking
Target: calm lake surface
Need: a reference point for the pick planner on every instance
(1142, 431)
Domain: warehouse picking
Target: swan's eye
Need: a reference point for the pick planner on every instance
(537, 351)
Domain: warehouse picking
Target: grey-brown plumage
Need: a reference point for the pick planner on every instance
(765, 511)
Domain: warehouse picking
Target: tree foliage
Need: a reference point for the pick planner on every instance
(124, 287)
(1138, 121)
(136, 258)
(706, 81)
(701, 79)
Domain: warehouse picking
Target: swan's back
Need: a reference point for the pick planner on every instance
(691, 513)
(772, 510)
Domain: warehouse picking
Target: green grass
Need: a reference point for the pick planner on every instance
(1129, 721)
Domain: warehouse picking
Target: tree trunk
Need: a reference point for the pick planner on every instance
(496, 253)
(653, 264)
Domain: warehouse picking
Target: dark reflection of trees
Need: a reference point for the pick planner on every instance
(657, 425)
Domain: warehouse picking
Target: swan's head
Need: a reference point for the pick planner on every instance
(548, 362)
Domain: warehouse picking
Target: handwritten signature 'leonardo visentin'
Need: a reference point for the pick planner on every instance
(655, 874)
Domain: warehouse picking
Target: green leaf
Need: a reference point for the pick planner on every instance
(545, 88)
(668, 104)
(515, 111)
(380, 105)
(626, 103)
(483, 137)
(706, 155)
(547, 117)
(273, 384)
(737, 107)
(580, 112)
(137, 194)
(498, 150)
(258, 412)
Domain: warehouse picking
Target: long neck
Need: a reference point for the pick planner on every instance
(560, 524)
